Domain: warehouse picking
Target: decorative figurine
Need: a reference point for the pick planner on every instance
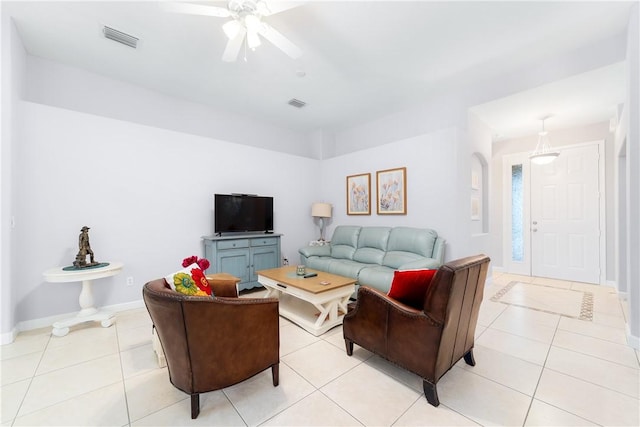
(85, 249)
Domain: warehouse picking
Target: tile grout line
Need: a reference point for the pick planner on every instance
(545, 368)
(13, 420)
(544, 364)
(124, 387)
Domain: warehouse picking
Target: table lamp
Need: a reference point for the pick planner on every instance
(321, 211)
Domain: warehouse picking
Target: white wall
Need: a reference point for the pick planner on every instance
(146, 193)
(60, 85)
(480, 147)
(12, 71)
(632, 112)
(433, 177)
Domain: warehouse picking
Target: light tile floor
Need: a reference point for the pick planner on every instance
(534, 367)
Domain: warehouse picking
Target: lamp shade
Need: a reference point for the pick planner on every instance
(321, 210)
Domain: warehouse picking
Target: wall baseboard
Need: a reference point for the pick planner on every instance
(44, 322)
(8, 337)
(632, 340)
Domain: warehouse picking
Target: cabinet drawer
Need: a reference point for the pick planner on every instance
(233, 244)
(264, 241)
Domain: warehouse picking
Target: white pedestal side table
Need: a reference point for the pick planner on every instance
(88, 313)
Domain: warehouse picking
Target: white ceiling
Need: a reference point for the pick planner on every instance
(362, 59)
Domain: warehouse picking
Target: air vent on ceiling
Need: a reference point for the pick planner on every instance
(120, 37)
(296, 103)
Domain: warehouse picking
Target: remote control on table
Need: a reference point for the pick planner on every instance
(310, 275)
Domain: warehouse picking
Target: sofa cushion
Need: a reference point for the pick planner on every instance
(395, 259)
(419, 241)
(344, 241)
(319, 263)
(376, 276)
(345, 267)
(346, 235)
(372, 243)
(410, 286)
(420, 264)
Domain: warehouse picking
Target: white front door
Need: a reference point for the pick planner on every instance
(554, 215)
(565, 216)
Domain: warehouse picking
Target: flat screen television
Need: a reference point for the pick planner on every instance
(242, 213)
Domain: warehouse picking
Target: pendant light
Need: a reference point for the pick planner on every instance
(543, 154)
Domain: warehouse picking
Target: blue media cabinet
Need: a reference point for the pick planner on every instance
(242, 255)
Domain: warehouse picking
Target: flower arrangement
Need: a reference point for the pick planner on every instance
(203, 263)
(194, 282)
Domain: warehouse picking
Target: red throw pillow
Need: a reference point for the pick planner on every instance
(410, 286)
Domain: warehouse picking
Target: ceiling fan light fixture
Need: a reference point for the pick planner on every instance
(253, 40)
(231, 29)
(252, 23)
(543, 154)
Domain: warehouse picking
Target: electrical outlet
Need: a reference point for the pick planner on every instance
(130, 281)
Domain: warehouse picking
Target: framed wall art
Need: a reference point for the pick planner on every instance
(392, 191)
(359, 194)
(475, 208)
(475, 180)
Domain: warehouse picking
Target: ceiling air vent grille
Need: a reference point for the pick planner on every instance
(120, 37)
(296, 103)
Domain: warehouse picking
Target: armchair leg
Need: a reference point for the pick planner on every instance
(195, 406)
(349, 345)
(431, 393)
(275, 374)
(468, 357)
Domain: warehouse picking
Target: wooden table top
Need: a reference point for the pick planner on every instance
(287, 276)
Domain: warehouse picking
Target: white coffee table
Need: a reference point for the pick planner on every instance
(307, 302)
(88, 312)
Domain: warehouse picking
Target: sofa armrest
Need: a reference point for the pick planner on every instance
(438, 250)
(425, 263)
(308, 251)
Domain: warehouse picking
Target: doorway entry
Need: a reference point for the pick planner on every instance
(554, 215)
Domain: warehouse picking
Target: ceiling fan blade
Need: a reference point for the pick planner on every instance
(196, 9)
(279, 41)
(233, 46)
(272, 7)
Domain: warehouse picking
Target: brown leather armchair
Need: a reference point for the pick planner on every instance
(427, 341)
(213, 343)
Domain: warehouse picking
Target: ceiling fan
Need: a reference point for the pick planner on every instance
(246, 20)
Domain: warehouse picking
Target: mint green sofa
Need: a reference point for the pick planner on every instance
(372, 254)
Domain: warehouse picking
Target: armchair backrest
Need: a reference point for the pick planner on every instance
(453, 299)
(210, 343)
